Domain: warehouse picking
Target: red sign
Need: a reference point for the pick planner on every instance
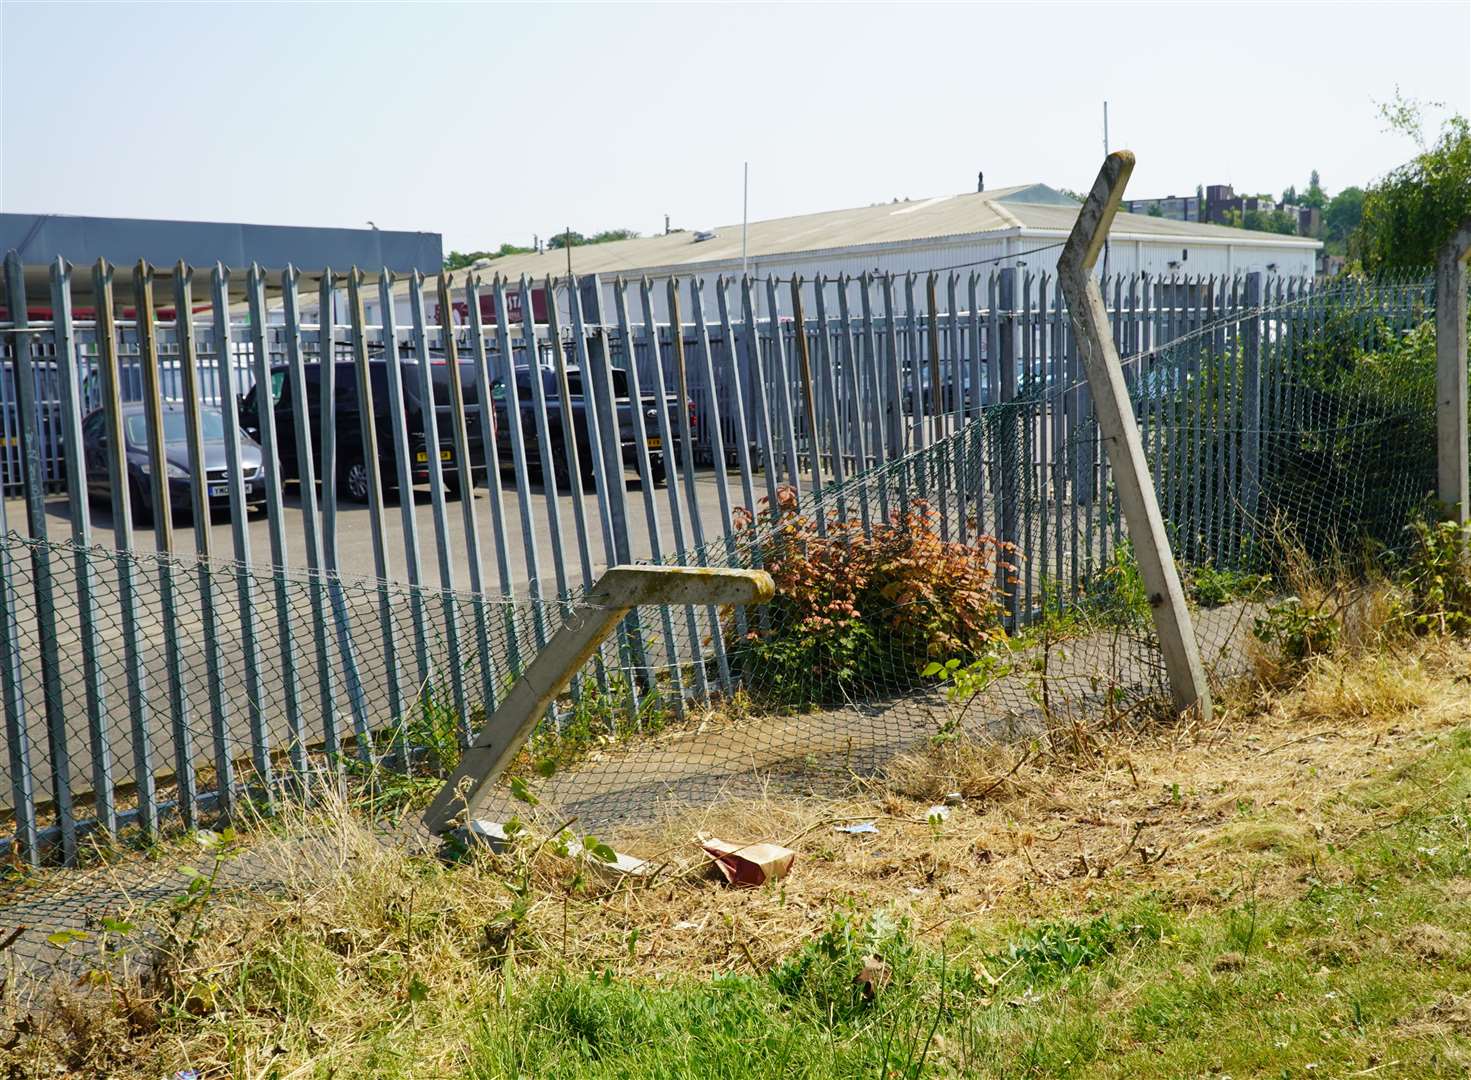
(514, 314)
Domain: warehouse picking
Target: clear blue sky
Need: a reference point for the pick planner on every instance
(491, 123)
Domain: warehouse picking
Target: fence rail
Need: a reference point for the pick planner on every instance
(215, 664)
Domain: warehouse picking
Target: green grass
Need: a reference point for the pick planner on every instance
(1342, 973)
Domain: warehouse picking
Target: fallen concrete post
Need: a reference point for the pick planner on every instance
(617, 592)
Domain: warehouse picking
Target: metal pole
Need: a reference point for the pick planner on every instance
(224, 756)
(1121, 436)
(163, 533)
(745, 210)
(79, 508)
(34, 487)
(139, 712)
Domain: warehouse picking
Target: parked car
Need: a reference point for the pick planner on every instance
(352, 473)
(176, 454)
(548, 375)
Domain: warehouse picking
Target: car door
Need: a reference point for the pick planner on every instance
(250, 418)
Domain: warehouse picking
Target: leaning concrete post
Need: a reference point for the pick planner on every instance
(617, 592)
(1450, 374)
(1120, 435)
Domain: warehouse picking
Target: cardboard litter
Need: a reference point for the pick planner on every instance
(749, 865)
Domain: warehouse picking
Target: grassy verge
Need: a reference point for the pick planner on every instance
(1285, 894)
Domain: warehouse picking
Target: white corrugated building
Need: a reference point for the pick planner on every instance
(1015, 226)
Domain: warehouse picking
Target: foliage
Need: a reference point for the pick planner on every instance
(598, 716)
(854, 610)
(1272, 221)
(1361, 457)
(573, 238)
(1435, 581)
(1259, 220)
(1314, 197)
(1212, 588)
(1116, 597)
(1341, 217)
(965, 681)
(1409, 214)
(411, 756)
(1296, 630)
(822, 971)
(1059, 948)
(458, 260)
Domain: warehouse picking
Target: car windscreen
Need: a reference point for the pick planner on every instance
(211, 425)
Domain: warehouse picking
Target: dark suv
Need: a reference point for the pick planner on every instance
(352, 474)
(648, 404)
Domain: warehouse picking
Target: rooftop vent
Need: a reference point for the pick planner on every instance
(702, 235)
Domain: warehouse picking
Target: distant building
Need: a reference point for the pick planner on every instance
(1220, 204)
(1020, 227)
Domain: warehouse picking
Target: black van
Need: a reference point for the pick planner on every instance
(352, 474)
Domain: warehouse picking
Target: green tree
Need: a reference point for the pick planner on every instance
(1273, 221)
(458, 260)
(1411, 212)
(573, 238)
(1155, 211)
(1341, 217)
(1314, 196)
(1289, 195)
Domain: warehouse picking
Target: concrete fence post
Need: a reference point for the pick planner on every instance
(1120, 435)
(616, 593)
(1453, 485)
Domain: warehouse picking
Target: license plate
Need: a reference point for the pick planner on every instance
(444, 455)
(218, 491)
(656, 443)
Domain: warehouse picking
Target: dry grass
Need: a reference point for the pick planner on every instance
(1187, 811)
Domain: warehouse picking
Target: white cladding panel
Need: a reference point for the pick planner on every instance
(1035, 255)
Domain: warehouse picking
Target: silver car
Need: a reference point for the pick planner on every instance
(176, 455)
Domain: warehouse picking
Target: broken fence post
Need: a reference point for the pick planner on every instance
(1453, 486)
(1120, 435)
(616, 593)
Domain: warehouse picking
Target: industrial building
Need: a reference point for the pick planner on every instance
(1021, 226)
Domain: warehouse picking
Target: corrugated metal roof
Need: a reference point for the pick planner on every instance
(1025, 207)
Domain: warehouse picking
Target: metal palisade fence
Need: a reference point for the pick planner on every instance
(318, 433)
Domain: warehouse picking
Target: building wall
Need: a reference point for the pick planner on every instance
(1030, 254)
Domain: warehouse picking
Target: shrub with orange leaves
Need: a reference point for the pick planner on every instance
(858, 612)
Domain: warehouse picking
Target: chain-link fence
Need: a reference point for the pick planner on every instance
(981, 585)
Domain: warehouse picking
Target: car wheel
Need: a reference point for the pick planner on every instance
(354, 483)
(657, 472)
